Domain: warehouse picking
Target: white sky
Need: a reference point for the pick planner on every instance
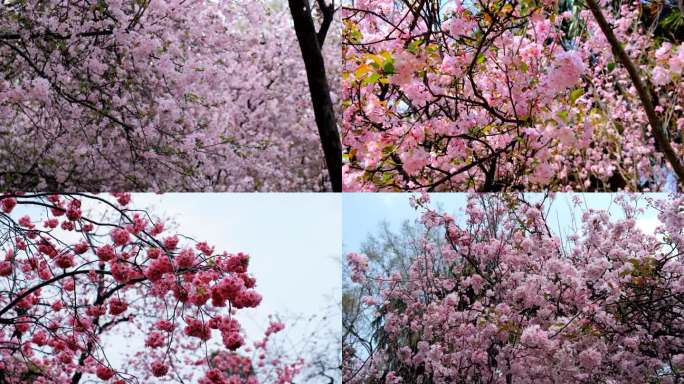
(294, 241)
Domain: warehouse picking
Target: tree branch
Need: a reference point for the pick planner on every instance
(328, 12)
(643, 90)
(57, 36)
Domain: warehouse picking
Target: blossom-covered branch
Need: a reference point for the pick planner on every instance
(154, 95)
(79, 269)
(523, 95)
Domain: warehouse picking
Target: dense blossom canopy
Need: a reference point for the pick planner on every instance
(152, 94)
(77, 268)
(495, 296)
(492, 95)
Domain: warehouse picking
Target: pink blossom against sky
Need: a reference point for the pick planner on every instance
(363, 212)
(294, 243)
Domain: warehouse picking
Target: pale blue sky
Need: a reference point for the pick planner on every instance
(363, 212)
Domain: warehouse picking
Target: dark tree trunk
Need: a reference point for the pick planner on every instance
(310, 42)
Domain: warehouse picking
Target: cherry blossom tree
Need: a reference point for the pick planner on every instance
(154, 95)
(523, 95)
(80, 270)
(494, 295)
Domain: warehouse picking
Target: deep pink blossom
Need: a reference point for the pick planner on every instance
(159, 369)
(7, 204)
(117, 306)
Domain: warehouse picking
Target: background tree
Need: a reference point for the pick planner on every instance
(154, 95)
(493, 295)
(320, 348)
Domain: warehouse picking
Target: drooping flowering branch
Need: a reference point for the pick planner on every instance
(79, 268)
(644, 91)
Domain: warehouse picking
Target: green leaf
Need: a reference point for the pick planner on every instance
(372, 79)
(414, 45)
(576, 94)
(562, 114)
(611, 66)
(388, 68)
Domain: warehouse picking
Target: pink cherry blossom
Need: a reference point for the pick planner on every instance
(172, 95)
(503, 292)
(481, 96)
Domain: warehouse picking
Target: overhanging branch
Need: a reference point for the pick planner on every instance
(644, 91)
